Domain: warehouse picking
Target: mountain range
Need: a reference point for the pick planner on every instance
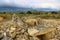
(13, 8)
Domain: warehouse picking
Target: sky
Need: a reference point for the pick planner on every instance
(55, 4)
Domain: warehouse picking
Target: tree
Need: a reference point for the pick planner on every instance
(29, 12)
(54, 12)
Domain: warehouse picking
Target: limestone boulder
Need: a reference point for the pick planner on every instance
(35, 32)
(1, 19)
(31, 22)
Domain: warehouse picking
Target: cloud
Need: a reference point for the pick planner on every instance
(33, 3)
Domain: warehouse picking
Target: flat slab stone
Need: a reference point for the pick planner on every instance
(35, 32)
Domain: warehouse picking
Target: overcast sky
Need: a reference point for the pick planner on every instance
(32, 3)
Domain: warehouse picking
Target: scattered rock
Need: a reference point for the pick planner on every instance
(36, 28)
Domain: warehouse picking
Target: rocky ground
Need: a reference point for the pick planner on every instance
(17, 28)
(54, 23)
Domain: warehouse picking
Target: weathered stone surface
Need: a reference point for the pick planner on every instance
(35, 32)
(31, 22)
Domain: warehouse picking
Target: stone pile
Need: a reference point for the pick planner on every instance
(17, 29)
